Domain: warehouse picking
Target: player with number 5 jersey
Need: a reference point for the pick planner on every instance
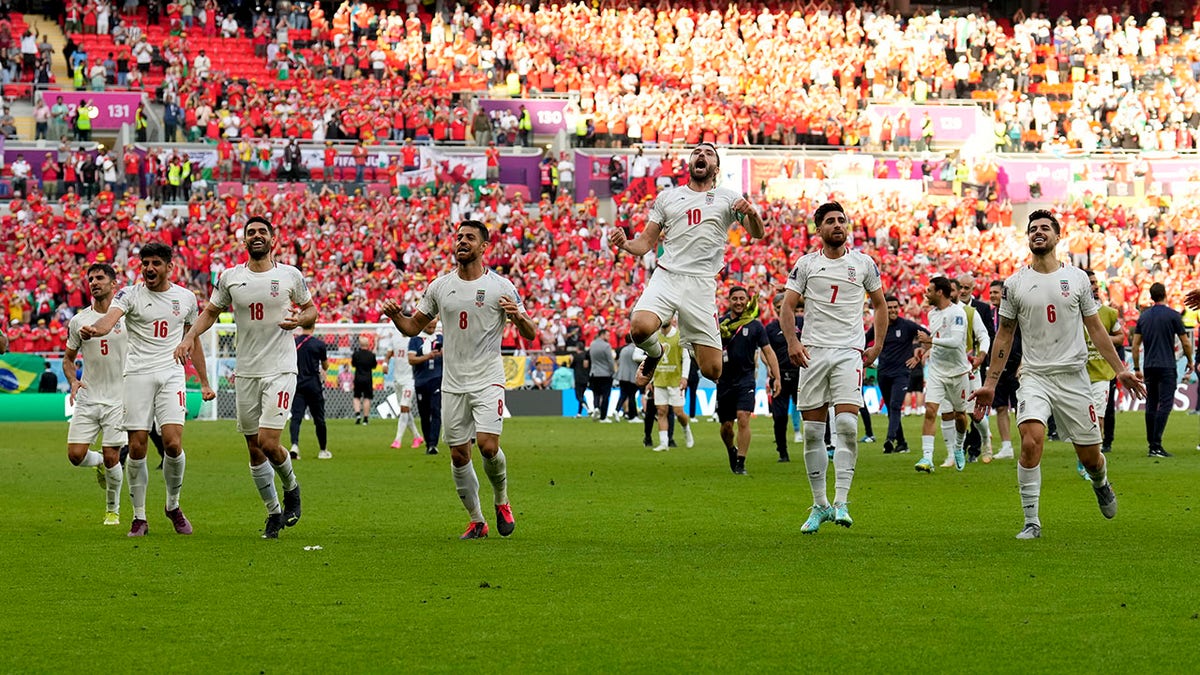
(474, 303)
(157, 316)
(269, 301)
(833, 282)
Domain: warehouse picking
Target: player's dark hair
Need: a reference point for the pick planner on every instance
(156, 249)
(735, 289)
(483, 231)
(714, 148)
(264, 221)
(825, 209)
(1044, 213)
(103, 267)
(943, 286)
(891, 298)
(955, 286)
(1090, 273)
(995, 283)
(1158, 292)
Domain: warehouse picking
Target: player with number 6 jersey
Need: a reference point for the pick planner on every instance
(833, 282)
(157, 316)
(269, 301)
(474, 303)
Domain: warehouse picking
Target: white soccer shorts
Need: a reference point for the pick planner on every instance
(1067, 396)
(668, 396)
(948, 391)
(476, 412)
(90, 420)
(1100, 397)
(405, 393)
(264, 402)
(692, 299)
(160, 396)
(833, 377)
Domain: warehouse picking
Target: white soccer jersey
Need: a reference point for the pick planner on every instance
(155, 322)
(696, 229)
(834, 291)
(399, 366)
(473, 324)
(260, 300)
(103, 358)
(948, 355)
(1049, 309)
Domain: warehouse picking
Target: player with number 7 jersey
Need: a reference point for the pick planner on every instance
(157, 316)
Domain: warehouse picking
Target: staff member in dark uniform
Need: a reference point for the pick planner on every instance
(742, 334)
(896, 362)
(1006, 387)
(425, 356)
(363, 361)
(1156, 329)
(312, 361)
(789, 375)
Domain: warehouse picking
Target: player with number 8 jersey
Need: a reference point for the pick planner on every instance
(157, 316)
(474, 303)
(262, 294)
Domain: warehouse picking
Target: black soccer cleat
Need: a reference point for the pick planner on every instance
(274, 525)
(291, 506)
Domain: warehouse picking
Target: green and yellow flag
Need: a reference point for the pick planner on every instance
(19, 372)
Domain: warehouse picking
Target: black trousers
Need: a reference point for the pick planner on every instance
(1160, 396)
(894, 388)
(1110, 414)
(781, 407)
(312, 399)
(429, 407)
(580, 390)
(601, 391)
(627, 401)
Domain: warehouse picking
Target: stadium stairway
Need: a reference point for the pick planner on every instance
(22, 109)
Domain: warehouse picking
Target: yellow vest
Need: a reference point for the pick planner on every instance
(670, 367)
(970, 309)
(1098, 369)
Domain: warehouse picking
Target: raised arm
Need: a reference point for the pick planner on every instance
(409, 325)
(748, 216)
(103, 325)
(515, 312)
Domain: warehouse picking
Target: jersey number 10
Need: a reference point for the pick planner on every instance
(694, 216)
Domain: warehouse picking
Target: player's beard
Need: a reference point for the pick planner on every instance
(704, 174)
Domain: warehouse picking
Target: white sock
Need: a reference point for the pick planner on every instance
(651, 346)
(139, 478)
(287, 477)
(402, 425)
(662, 438)
(816, 460)
(1100, 477)
(927, 447)
(412, 424)
(92, 458)
(950, 436)
(960, 437)
(173, 476)
(1030, 482)
(496, 469)
(112, 488)
(264, 480)
(985, 432)
(845, 454)
(467, 484)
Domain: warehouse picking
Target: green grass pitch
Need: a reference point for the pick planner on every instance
(623, 560)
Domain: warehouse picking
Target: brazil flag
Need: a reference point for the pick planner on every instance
(19, 371)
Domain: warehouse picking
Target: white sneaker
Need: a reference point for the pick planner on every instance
(324, 454)
(606, 420)
(1003, 454)
(661, 448)
(688, 440)
(798, 437)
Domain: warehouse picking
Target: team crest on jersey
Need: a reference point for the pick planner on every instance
(479, 297)
(745, 331)
(274, 288)
(852, 274)
(175, 307)
(1065, 286)
(708, 199)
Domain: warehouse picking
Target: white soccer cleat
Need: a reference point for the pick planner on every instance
(324, 454)
(688, 439)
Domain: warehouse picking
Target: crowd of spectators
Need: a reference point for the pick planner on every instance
(355, 251)
(683, 72)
